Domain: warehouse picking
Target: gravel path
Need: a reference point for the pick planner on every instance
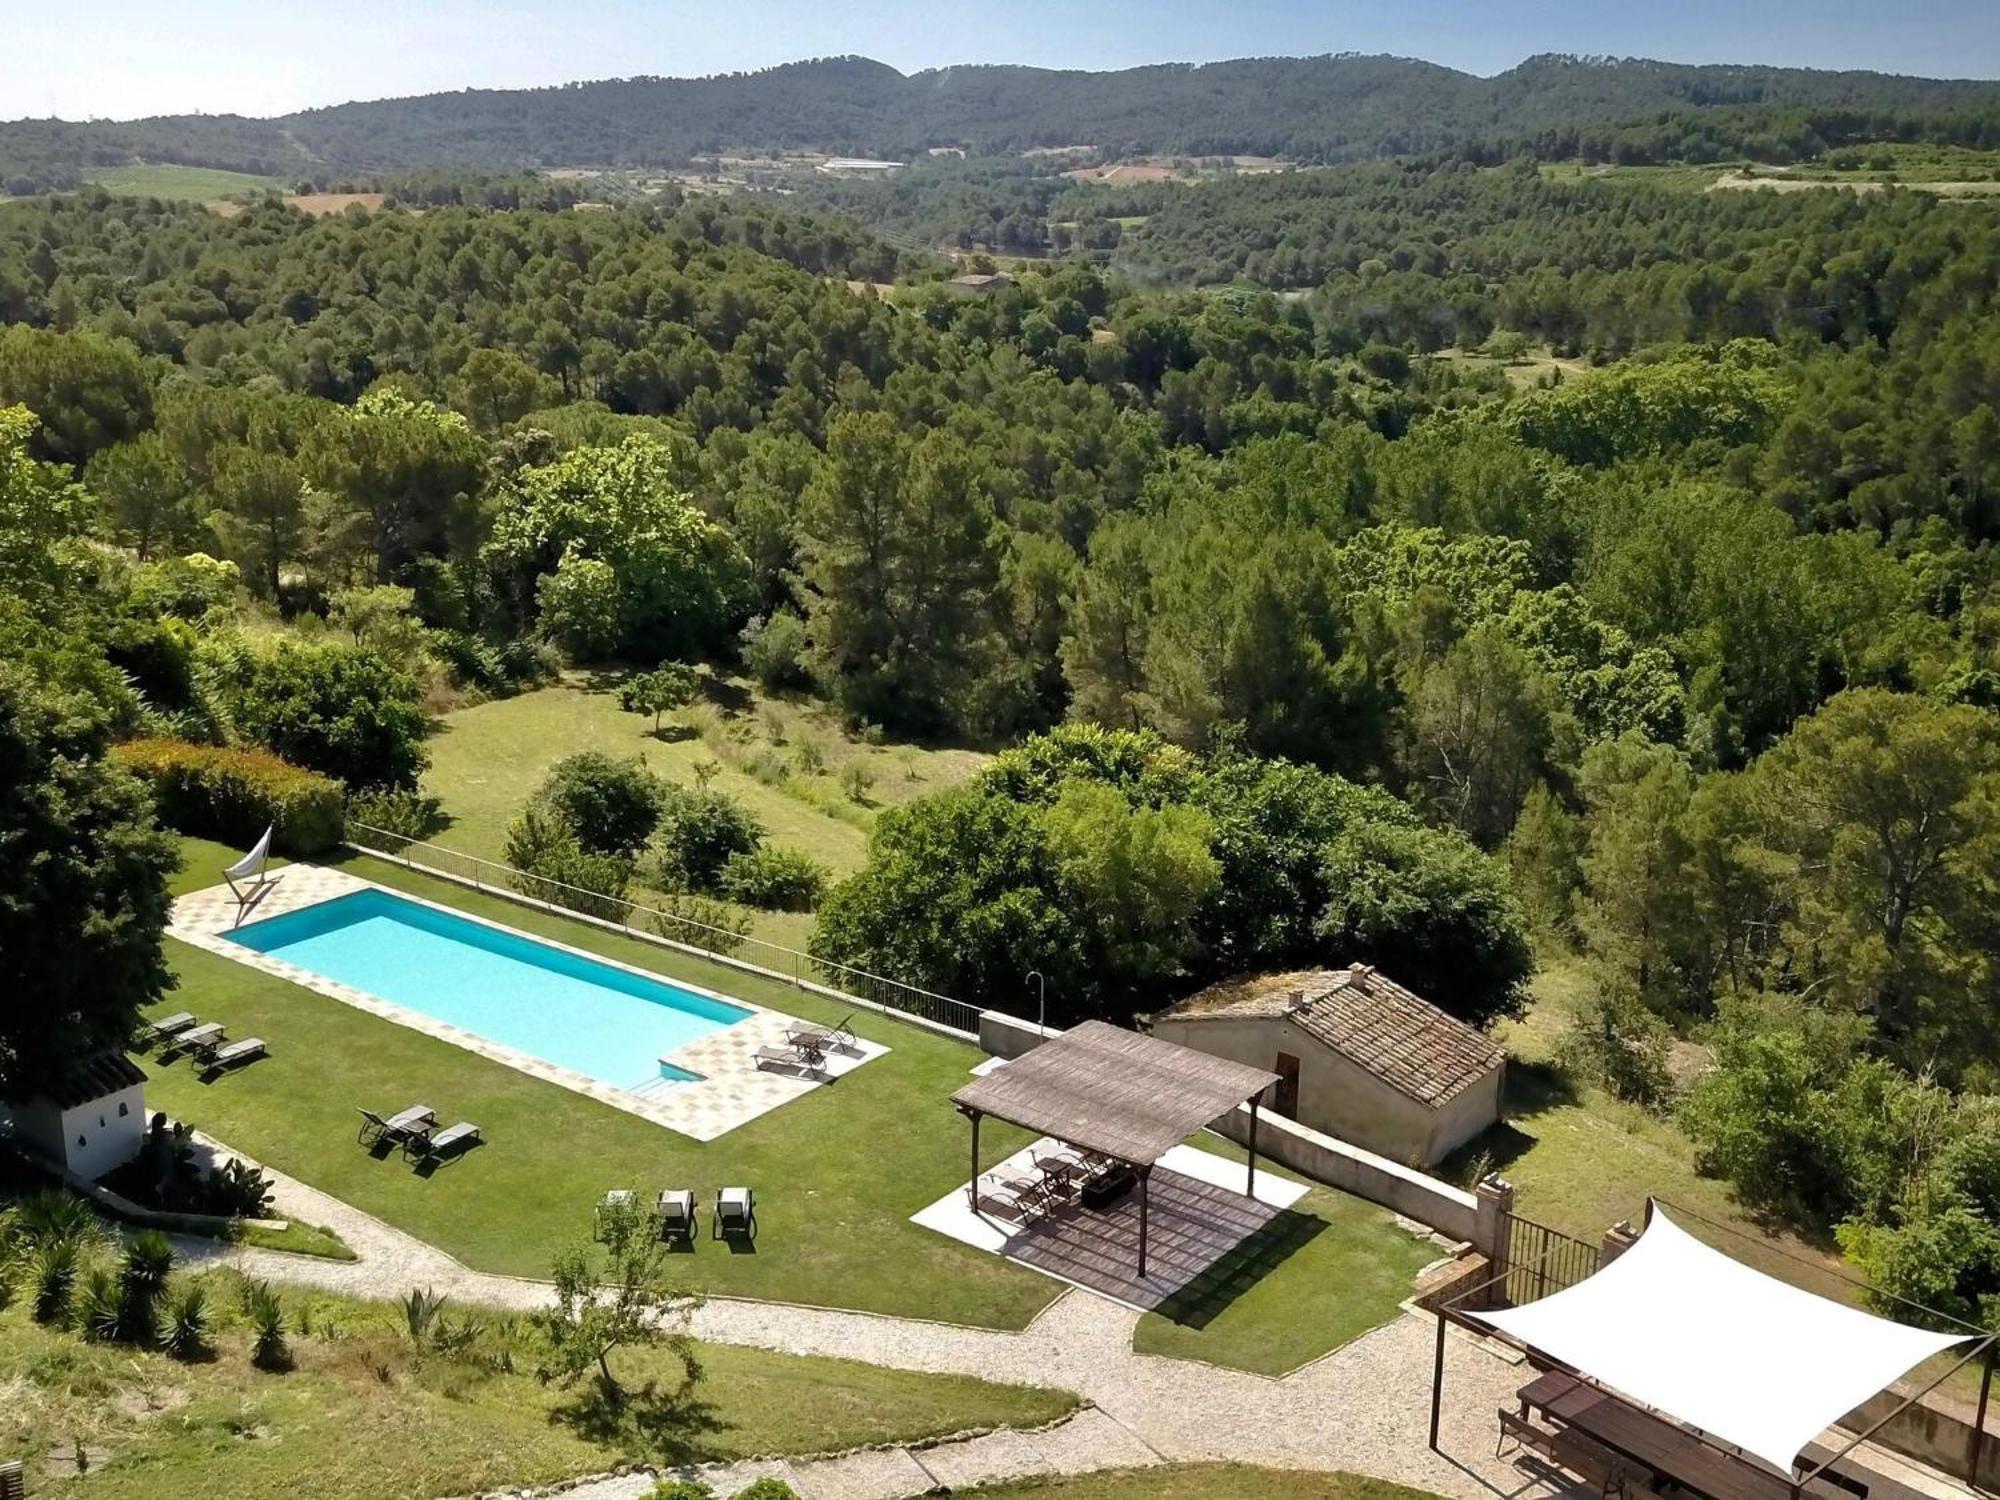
(1365, 1407)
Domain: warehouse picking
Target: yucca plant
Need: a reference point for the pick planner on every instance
(52, 1214)
(53, 1267)
(100, 1314)
(268, 1349)
(184, 1331)
(149, 1257)
(421, 1310)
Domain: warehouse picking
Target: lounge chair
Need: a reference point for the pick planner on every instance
(805, 1059)
(247, 878)
(218, 1058)
(676, 1213)
(421, 1145)
(735, 1213)
(823, 1038)
(166, 1026)
(374, 1128)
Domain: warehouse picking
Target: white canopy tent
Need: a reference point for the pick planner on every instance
(1752, 1361)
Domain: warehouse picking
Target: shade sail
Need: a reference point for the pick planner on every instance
(1748, 1359)
(1099, 1086)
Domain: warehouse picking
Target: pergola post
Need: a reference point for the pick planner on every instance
(1979, 1421)
(973, 1188)
(1251, 1189)
(1437, 1385)
(1145, 1198)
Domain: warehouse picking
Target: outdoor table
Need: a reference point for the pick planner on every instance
(1672, 1452)
(200, 1036)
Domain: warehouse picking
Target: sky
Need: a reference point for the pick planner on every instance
(118, 59)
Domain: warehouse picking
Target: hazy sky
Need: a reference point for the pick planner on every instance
(122, 58)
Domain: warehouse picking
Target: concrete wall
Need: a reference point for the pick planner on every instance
(1002, 1035)
(1338, 1096)
(1449, 1210)
(89, 1140)
(1929, 1434)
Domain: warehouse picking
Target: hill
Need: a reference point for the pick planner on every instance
(1316, 109)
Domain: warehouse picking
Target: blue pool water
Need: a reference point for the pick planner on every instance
(589, 1017)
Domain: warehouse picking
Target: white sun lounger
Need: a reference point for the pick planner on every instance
(247, 878)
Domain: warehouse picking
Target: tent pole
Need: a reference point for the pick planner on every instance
(1979, 1421)
(1145, 1202)
(1251, 1190)
(1437, 1385)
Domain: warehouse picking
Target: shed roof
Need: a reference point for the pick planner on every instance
(1361, 1013)
(94, 1077)
(1106, 1089)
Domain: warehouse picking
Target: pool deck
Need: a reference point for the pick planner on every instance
(732, 1090)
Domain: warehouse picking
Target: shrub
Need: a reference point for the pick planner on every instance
(407, 815)
(775, 879)
(100, 1313)
(50, 1215)
(53, 1268)
(149, 1257)
(268, 1349)
(774, 650)
(767, 1488)
(856, 780)
(681, 1489)
(699, 832)
(339, 710)
(551, 866)
(810, 756)
(184, 1330)
(610, 806)
(701, 922)
(234, 795)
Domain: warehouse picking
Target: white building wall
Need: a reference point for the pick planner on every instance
(103, 1134)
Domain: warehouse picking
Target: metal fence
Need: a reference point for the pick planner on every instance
(658, 924)
(1541, 1260)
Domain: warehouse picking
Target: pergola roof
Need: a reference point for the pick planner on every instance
(1697, 1336)
(1106, 1089)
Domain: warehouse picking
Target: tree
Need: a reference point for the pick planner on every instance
(495, 387)
(700, 832)
(260, 512)
(1141, 872)
(88, 390)
(83, 885)
(339, 710)
(145, 490)
(41, 518)
(1633, 909)
(626, 1297)
(612, 806)
(659, 691)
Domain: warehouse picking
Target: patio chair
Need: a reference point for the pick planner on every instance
(219, 1059)
(422, 1146)
(676, 1213)
(199, 1040)
(247, 878)
(165, 1027)
(735, 1213)
(790, 1057)
(825, 1038)
(618, 1200)
(374, 1128)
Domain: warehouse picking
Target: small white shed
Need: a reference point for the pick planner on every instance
(91, 1121)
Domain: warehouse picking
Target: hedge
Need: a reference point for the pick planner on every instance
(221, 793)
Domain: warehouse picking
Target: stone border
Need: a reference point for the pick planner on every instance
(702, 1110)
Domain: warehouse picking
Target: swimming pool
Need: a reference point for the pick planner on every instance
(606, 1023)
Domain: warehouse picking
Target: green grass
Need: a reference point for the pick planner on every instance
(363, 1416)
(837, 1173)
(1203, 1482)
(200, 183)
(1332, 1267)
(297, 1239)
(486, 761)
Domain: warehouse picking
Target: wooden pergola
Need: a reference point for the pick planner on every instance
(1125, 1096)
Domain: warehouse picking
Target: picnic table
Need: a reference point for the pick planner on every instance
(1668, 1450)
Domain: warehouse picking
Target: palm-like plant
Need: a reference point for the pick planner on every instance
(149, 1257)
(99, 1306)
(184, 1333)
(421, 1310)
(268, 1349)
(53, 1267)
(52, 1214)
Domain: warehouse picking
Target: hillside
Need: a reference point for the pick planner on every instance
(1323, 109)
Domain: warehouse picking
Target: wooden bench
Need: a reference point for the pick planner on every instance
(1612, 1473)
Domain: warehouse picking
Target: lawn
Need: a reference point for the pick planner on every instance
(782, 760)
(364, 1416)
(837, 1174)
(199, 183)
(1334, 1267)
(1203, 1482)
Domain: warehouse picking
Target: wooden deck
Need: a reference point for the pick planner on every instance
(1204, 1245)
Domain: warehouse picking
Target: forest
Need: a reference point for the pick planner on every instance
(1302, 633)
(1315, 110)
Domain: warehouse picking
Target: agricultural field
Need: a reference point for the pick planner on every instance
(198, 183)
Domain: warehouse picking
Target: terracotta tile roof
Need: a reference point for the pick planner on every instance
(1369, 1019)
(93, 1078)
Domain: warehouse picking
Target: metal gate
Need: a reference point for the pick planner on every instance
(1541, 1260)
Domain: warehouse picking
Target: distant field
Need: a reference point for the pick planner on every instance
(199, 183)
(1525, 371)
(1949, 171)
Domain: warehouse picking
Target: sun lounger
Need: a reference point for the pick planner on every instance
(805, 1059)
(250, 1047)
(422, 1145)
(676, 1213)
(200, 1038)
(166, 1026)
(823, 1038)
(374, 1128)
(735, 1213)
(247, 878)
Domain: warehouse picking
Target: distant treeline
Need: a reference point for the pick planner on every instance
(1319, 109)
